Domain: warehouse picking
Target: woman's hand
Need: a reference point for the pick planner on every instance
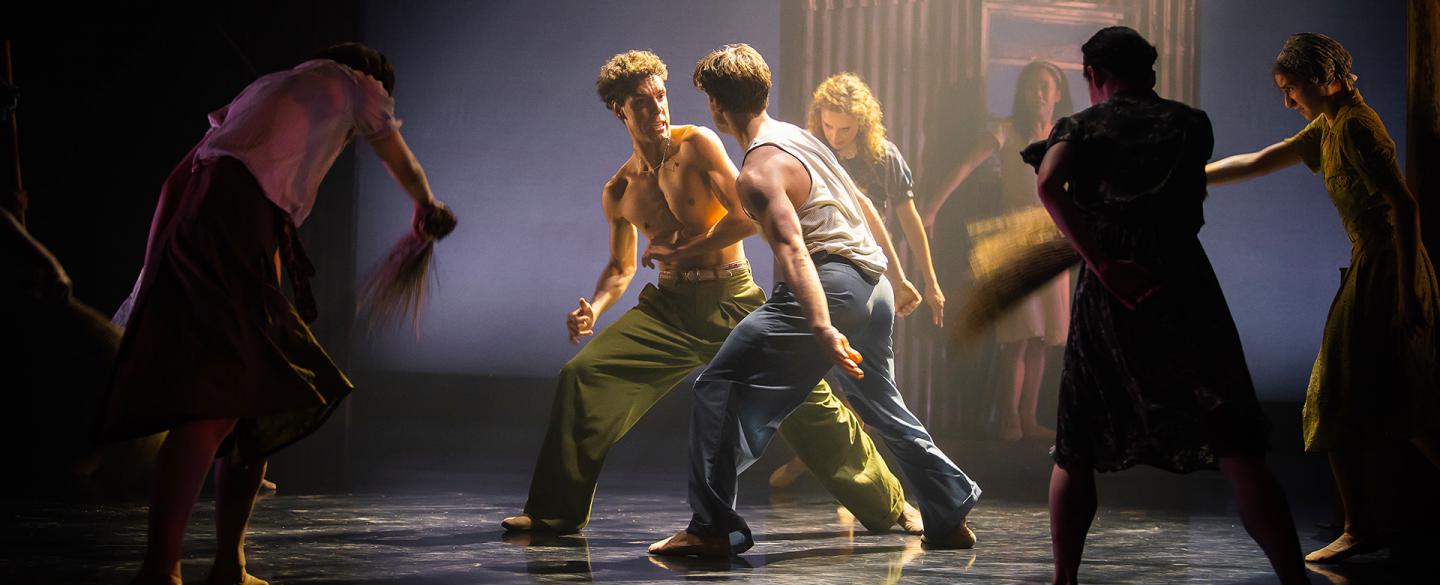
(433, 220)
(1131, 283)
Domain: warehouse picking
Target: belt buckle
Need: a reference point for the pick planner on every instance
(691, 275)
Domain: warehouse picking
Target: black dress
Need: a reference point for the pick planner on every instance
(1164, 384)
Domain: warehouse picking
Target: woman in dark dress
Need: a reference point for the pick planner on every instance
(1154, 371)
(213, 351)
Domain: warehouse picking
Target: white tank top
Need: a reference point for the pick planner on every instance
(831, 220)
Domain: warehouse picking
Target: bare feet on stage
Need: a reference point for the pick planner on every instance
(1038, 432)
(1348, 545)
(144, 578)
(1016, 427)
(789, 473)
(243, 579)
(685, 544)
(521, 523)
(1010, 430)
(910, 520)
(961, 537)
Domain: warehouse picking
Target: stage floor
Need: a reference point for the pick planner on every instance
(449, 533)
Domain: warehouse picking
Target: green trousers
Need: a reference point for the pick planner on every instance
(630, 365)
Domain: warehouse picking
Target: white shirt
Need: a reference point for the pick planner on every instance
(288, 128)
(831, 220)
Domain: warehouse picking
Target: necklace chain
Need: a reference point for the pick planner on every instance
(664, 156)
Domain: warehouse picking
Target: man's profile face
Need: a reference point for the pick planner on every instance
(646, 111)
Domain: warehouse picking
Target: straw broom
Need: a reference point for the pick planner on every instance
(397, 288)
(1014, 256)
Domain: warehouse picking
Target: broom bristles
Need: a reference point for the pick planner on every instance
(1013, 255)
(396, 290)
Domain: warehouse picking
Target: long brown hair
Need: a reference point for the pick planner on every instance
(1020, 115)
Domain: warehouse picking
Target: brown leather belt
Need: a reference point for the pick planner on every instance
(720, 272)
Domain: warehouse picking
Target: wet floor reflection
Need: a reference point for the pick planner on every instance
(449, 537)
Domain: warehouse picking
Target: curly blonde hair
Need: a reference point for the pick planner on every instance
(846, 93)
(623, 73)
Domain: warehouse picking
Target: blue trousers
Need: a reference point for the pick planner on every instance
(766, 368)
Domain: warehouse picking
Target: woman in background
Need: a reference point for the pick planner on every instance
(1042, 320)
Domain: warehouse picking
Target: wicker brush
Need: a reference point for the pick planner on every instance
(396, 290)
(1013, 256)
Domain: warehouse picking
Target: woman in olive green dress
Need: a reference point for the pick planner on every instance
(1375, 382)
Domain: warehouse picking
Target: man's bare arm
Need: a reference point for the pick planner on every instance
(616, 275)
(764, 186)
(618, 271)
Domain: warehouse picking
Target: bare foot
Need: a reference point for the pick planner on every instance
(786, 475)
(685, 544)
(267, 486)
(243, 579)
(910, 520)
(521, 523)
(960, 537)
(1010, 428)
(1035, 431)
(1332, 577)
(145, 578)
(1348, 545)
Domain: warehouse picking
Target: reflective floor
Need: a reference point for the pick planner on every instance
(452, 536)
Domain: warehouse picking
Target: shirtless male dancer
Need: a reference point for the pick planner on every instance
(675, 189)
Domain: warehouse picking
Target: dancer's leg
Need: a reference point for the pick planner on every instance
(1265, 514)
(829, 439)
(236, 486)
(1072, 509)
(180, 469)
(603, 391)
(1360, 535)
(1028, 404)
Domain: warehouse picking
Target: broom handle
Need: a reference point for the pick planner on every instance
(14, 125)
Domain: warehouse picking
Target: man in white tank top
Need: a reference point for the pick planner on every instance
(832, 308)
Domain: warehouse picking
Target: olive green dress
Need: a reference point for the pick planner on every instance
(1372, 383)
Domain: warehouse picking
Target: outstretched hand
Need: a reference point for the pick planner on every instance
(1131, 283)
(581, 321)
(837, 346)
